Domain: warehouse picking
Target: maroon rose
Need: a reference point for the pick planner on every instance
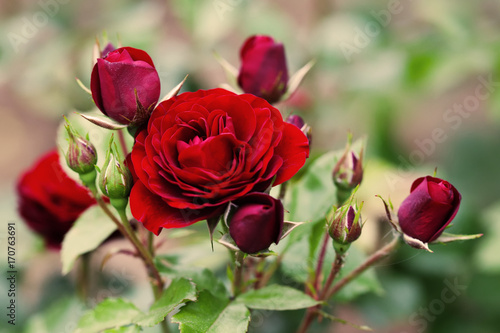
(124, 81)
(263, 70)
(50, 201)
(257, 222)
(203, 149)
(430, 207)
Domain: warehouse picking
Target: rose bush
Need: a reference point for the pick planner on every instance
(50, 201)
(123, 79)
(257, 222)
(203, 149)
(430, 207)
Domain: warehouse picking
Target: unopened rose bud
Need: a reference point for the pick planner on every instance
(125, 84)
(115, 179)
(263, 70)
(299, 122)
(257, 222)
(348, 172)
(345, 227)
(429, 209)
(81, 156)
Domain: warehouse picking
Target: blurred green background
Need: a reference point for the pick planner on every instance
(420, 78)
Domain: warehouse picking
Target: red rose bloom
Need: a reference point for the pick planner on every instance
(50, 201)
(430, 207)
(203, 149)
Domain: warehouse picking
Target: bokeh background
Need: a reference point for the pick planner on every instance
(419, 79)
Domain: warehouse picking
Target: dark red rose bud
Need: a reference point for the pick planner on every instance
(263, 71)
(299, 122)
(50, 201)
(124, 83)
(257, 222)
(108, 48)
(430, 207)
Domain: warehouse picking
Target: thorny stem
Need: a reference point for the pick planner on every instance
(375, 257)
(321, 260)
(336, 266)
(126, 230)
(328, 292)
(145, 255)
(312, 312)
(269, 272)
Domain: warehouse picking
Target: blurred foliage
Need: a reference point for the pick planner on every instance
(397, 88)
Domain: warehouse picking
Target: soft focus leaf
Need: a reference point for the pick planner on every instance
(276, 297)
(212, 314)
(111, 313)
(203, 278)
(178, 292)
(313, 194)
(125, 329)
(88, 232)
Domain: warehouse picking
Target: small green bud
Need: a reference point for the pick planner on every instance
(345, 227)
(81, 156)
(115, 179)
(348, 172)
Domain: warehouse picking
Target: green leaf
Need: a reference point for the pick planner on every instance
(276, 297)
(88, 232)
(111, 313)
(179, 291)
(314, 193)
(212, 314)
(124, 329)
(203, 278)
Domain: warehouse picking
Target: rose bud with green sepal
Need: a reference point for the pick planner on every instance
(345, 227)
(348, 172)
(115, 179)
(432, 204)
(125, 85)
(263, 70)
(81, 156)
(257, 222)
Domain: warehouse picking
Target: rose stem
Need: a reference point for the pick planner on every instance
(375, 257)
(84, 277)
(238, 273)
(269, 272)
(128, 233)
(123, 144)
(148, 260)
(283, 189)
(321, 260)
(326, 294)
